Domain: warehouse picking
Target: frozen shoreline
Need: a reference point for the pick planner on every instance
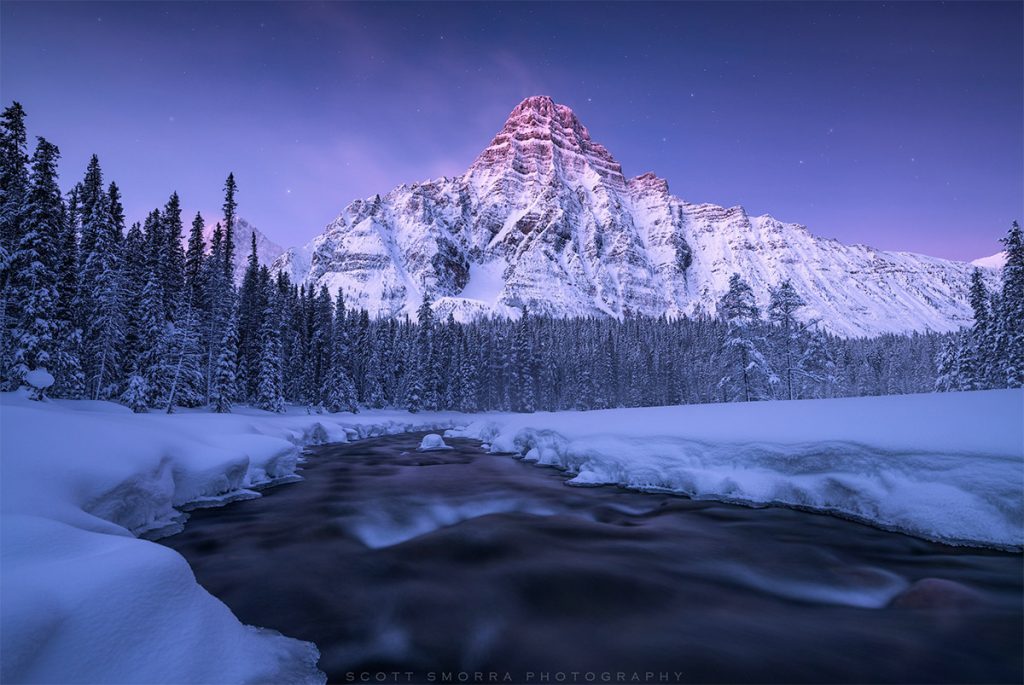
(947, 467)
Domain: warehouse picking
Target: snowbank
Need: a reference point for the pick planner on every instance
(947, 467)
(83, 599)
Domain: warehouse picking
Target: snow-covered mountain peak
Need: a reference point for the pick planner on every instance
(545, 218)
(996, 261)
(267, 251)
(544, 143)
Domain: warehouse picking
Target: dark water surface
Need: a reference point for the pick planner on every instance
(477, 565)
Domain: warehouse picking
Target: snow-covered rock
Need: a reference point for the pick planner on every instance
(545, 218)
(431, 442)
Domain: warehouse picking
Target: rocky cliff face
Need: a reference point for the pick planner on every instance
(545, 218)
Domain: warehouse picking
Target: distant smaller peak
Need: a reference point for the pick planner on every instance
(996, 261)
(650, 181)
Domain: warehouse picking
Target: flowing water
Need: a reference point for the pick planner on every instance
(405, 566)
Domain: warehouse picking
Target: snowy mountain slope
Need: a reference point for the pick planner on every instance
(995, 261)
(266, 250)
(545, 218)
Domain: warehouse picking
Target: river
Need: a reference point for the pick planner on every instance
(415, 567)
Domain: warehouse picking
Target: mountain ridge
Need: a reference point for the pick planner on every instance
(544, 217)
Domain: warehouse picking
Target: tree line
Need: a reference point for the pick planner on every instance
(140, 316)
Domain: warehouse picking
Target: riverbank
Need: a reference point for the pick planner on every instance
(84, 599)
(947, 467)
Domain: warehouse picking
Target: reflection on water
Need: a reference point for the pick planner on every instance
(459, 561)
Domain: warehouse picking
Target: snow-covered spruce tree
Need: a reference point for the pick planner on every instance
(184, 352)
(817, 367)
(116, 210)
(639, 368)
(34, 276)
(306, 363)
(90, 191)
(70, 379)
(98, 303)
(341, 391)
(14, 189)
(1010, 335)
(69, 261)
(360, 355)
(292, 340)
(979, 298)
(14, 177)
(982, 335)
(748, 374)
(153, 342)
(392, 361)
(417, 357)
(966, 362)
(583, 391)
(447, 353)
(782, 309)
(522, 365)
(223, 389)
(194, 257)
(946, 375)
(550, 377)
(605, 381)
(468, 387)
(375, 393)
(428, 373)
(172, 258)
(134, 270)
(252, 305)
(269, 377)
(342, 394)
(230, 207)
(322, 356)
(219, 298)
(6, 332)
(136, 395)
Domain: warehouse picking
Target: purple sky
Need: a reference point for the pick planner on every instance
(895, 125)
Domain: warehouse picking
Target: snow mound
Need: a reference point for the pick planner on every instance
(946, 467)
(432, 442)
(85, 600)
(39, 379)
